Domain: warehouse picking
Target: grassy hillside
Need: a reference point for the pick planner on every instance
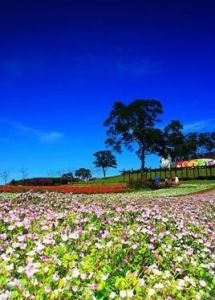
(189, 174)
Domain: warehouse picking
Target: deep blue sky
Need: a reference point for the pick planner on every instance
(64, 63)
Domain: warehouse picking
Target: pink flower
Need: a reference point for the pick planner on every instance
(45, 258)
(30, 271)
(190, 251)
(94, 286)
(105, 234)
(3, 236)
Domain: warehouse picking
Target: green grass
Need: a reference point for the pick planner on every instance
(108, 180)
(170, 174)
(181, 173)
(185, 188)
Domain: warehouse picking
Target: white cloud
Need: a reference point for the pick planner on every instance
(202, 125)
(41, 135)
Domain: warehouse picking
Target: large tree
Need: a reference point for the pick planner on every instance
(206, 145)
(105, 159)
(186, 146)
(191, 145)
(83, 174)
(174, 140)
(134, 124)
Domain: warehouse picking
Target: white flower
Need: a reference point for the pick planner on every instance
(83, 276)
(190, 280)
(55, 276)
(10, 267)
(98, 246)
(130, 293)
(112, 295)
(179, 259)
(75, 273)
(180, 284)
(202, 283)
(134, 246)
(142, 282)
(151, 292)
(122, 294)
(75, 288)
(74, 235)
(109, 244)
(64, 237)
(11, 227)
(157, 272)
(167, 274)
(5, 296)
(159, 286)
(105, 277)
(47, 289)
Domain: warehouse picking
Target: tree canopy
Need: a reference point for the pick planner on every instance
(105, 159)
(133, 126)
(83, 173)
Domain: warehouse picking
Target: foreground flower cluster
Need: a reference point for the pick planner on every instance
(116, 246)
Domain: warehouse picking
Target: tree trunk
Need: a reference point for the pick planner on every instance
(104, 172)
(142, 158)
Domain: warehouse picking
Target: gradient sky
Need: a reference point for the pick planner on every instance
(64, 63)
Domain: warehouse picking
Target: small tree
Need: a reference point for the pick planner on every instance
(68, 176)
(105, 160)
(5, 174)
(83, 174)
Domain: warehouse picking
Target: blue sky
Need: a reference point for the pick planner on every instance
(64, 63)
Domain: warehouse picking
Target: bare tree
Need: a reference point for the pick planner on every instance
(60, 174)
(24, 174)
(5, 174)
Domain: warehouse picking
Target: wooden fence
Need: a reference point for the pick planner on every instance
(186, 173)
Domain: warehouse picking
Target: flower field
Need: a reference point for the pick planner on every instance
(106, 246)
(76, 189)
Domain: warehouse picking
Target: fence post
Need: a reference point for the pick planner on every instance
(141, 175)
(123, 174)
(186, 172)
(206, 169)
(210, 168)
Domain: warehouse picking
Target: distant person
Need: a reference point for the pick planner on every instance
(170, 181)
(176, 180)
(156, 181)
(166, 182)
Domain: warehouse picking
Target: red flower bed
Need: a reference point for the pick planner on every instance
(84, 189)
